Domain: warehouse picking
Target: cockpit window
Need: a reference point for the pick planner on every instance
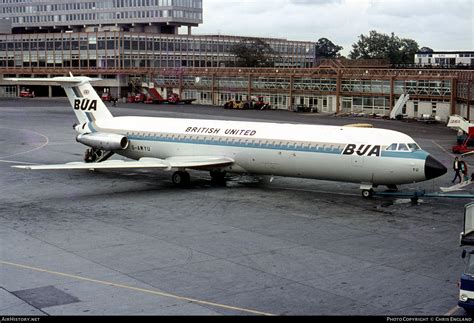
(403, 147)
(392, 147)
(414, 147)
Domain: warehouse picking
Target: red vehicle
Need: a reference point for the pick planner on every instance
(174, 98)
(140, 98)
(467, 145)
(106, 97)
(27, 93)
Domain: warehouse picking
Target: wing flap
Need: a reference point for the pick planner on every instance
(198, 161)
(174, 162)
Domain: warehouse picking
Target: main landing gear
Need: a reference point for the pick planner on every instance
(181, 178)
(93, 155)
(218, 177)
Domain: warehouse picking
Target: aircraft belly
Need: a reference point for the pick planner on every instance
(398, 171)
(301, 164)
(323, 166)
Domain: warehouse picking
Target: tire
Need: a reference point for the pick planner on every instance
(218, 178)
(181, 178)
(367, 194)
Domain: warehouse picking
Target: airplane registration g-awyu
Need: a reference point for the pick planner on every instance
(366, 156)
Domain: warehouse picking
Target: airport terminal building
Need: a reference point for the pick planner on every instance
(133, 42)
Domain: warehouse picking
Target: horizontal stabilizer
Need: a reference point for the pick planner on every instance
(61, 80)
(175, 162)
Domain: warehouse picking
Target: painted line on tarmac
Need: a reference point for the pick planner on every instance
(452, 311)
(314, 191)
(443, 149)
(16, 162)
(146, 291)
(447, 152)
(29, 151)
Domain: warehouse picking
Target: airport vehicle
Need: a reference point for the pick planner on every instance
(467, 143)
(140, 98)
(466, 282)
(303, 108)
(367, 156)
(428, 118)
(174, 98)
(26, 93)
(465, 135)
(154, 97)
(107, 97)
(256, 103)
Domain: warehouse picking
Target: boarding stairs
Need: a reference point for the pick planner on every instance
(398, 108)
(459, 123)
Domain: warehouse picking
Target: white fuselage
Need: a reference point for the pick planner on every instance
(333, 153)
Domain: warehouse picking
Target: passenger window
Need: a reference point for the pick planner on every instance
(403, 147)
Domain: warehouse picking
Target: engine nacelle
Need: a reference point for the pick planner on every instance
(104, 141)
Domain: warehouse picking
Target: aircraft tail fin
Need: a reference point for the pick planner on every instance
(85, 101)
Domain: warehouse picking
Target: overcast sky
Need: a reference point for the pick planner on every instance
(439, 24)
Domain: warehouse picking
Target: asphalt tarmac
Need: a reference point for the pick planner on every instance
(130, 243)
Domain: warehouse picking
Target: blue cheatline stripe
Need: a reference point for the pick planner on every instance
(237, 144)
(295, 148)
(419, 154)
(88, 116)
(91, 126)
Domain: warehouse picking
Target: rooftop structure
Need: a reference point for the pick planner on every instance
(445, 58)
(158, 16)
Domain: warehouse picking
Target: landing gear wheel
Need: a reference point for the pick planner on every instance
(181, 178)
(367, 194)
(218, 178)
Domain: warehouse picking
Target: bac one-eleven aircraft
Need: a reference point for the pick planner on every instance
(366, 156)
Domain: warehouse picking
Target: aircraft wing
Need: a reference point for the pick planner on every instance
(168, 164)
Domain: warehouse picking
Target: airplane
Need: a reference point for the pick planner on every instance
(370, 157)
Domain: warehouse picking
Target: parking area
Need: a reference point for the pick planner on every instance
(130, 243)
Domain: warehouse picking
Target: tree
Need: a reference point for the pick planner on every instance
(327, 49)
(383, 46)
(426, 50)
(254, 53)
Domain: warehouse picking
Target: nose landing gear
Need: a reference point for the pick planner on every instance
(367, 191)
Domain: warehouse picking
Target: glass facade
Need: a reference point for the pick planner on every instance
(126, 50)
(63, 15)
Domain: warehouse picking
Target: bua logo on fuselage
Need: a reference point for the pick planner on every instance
(85, 105)
(363, 150)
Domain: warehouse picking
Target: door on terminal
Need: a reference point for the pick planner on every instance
(279, 101)
(347, 105)
(325, 105)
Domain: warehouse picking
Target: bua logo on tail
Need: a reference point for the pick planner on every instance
(85, 105)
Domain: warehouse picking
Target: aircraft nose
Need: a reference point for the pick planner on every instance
(434, 168)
